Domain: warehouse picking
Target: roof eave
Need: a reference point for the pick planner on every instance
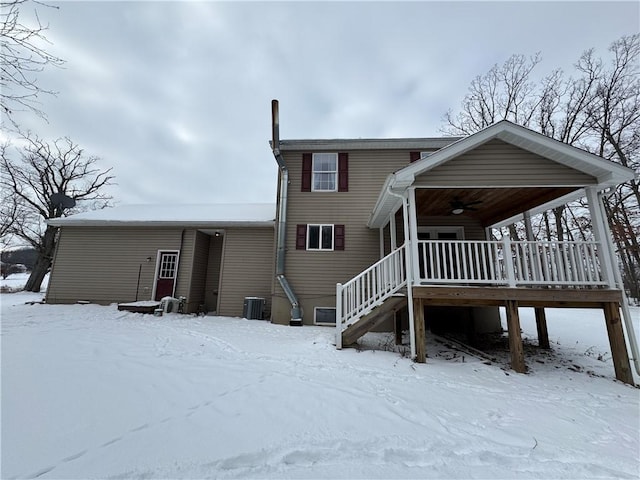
(434, 143)
(388, 200)
(62, 222)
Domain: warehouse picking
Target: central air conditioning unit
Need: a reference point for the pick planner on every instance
(169, 304)
(253, 308)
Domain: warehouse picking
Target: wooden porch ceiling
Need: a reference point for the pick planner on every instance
(497, 203)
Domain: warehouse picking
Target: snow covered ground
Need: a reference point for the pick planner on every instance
(91, 392)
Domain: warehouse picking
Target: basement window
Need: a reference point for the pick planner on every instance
(324, 316)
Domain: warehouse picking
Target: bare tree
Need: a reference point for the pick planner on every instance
(41, 170)
(22, 56)
(597, 109)
(504, 92)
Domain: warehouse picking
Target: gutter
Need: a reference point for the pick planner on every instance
(296, 315)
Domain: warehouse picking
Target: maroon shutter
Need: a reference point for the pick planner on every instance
(414, 156)
(301, 237)
(306, 172)
(338, 237)
(343, 172)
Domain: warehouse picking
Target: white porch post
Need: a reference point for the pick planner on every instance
(408, 252)
(381, 242)
(527, 225)
(413, 228)
(600, 234)
(626, 312)
(508, 261)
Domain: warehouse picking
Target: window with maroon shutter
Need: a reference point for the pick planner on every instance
(343, 172)
(338, 239)
(301, 237)
(414, 156)
(307, 161)
(319, 237)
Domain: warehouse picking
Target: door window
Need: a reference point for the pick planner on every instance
(438, 261)
(168, 265)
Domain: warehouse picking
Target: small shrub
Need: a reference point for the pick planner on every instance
(8, 289)
(11, 268)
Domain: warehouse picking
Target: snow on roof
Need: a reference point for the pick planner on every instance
(213, 215)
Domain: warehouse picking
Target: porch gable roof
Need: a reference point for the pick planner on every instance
(607, 173)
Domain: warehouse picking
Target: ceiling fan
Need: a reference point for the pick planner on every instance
(458, 206)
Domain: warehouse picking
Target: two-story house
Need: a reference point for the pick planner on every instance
(424, 208)
(371, 233)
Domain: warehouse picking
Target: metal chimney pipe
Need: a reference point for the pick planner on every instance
(296, 311)
(275, 125)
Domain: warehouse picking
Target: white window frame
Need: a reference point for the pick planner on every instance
(168, 270)
(321, 225)
(315, 316)
(334, 172)
(433, 231)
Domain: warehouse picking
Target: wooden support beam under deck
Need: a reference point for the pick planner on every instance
(418, 318)
(541, 324)
(515, 337)
(608, 300)
(397, 327)
(619, 353)
(526, 297)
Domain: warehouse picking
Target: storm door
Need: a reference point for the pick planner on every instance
(167, 271)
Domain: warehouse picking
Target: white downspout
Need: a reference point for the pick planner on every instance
(409, 270)
(392, 231)
(626, 312)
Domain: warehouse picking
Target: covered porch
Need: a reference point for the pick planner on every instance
(436, 219)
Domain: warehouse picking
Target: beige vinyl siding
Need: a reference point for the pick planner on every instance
(497, 163)
(183, 284)
(212, 283)
(196, 297)
(247, 268)
(101, 264)
(314, 274)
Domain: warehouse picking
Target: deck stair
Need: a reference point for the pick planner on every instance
(374, 318)
(363, 302)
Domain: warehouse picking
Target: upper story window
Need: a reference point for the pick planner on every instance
(325, 172)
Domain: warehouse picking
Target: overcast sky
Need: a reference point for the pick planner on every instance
(176, 96)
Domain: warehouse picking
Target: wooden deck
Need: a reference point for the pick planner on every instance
(539, 298)
(146, 306)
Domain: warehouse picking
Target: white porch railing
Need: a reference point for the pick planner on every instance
(369, 289)
(461, 262)
(520, 263)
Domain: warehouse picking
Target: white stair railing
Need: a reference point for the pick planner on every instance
(369, 289)
(520, 263)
